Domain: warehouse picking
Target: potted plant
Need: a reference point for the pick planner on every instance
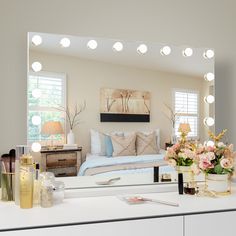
(217, 162)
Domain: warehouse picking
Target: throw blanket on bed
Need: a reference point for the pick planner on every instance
(103, 164)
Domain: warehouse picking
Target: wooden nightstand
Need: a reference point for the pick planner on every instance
(62, 162)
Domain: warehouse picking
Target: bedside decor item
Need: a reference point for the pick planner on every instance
(184, 129)
(123, 105)
(217, 162)
(52, 128)
(72, 120)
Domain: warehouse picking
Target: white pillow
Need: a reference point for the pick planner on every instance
(97, 143)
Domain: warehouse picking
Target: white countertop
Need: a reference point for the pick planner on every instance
(108, 208)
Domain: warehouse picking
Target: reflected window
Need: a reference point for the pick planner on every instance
(186, 105)
(51, 94)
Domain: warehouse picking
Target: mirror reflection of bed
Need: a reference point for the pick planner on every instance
(125, 151)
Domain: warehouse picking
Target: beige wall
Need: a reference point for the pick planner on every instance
(86, 77)
(185, 22)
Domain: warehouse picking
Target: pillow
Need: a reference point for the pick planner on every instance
(157, 134)
(123, 145)
(146, 143)
(108, 146)
(97, 143)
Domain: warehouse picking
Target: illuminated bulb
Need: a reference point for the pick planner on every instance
(36, 147)
(36, 93)
(187, 52)
(65, 42)
(36, 120)
(36, 40)
(142, 49)
(165, 51)
(118, 46)
(209, 76)
(208, 54)
(36, 66)
(209, 99)
(210, 143)
(92, 44)
(209, 121)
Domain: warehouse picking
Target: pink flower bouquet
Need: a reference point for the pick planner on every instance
(217, 159)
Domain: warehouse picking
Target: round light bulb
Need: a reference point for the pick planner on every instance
(165, 51)
(118, 46)
(209, 121)
(92, 44)
(36, 147)
(208, 54)
(142, 49)
(210, 143)
(187, 52)
(36, 120)
(209, 76)
(36, 40)
(36, 66)
(65, 42)
(209, 99)
(36, 93)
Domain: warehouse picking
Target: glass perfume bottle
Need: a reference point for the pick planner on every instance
(26, 181)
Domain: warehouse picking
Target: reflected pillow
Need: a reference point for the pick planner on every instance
(98, 146)
(123, 145)
(108, 146)
(146, 144)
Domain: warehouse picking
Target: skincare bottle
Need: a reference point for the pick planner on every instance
(36, 185)
(20, 150)
(26, 181)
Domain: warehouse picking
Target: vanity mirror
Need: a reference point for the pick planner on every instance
(130, 79)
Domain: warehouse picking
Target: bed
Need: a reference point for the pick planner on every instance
(103, 165)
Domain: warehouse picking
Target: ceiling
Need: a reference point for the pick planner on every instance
(196, 65)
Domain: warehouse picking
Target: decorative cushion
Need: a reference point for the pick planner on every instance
(146, 143)
(108, 146)
(97, 143)
(123, 145)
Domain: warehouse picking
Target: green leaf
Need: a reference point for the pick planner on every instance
(218, 169)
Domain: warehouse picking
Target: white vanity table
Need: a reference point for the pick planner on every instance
(108, 215)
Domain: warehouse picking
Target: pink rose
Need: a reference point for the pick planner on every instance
(176, 147)
(226, 163)
(205, 163)
(172, 162)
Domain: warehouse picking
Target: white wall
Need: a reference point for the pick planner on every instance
(199, 23)
(86, 77)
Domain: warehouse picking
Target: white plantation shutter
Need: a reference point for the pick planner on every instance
(53, 94)
(186, 109)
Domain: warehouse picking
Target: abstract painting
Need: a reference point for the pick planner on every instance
(124, 105)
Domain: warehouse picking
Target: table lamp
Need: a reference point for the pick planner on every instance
(52, 128)
(184, 129)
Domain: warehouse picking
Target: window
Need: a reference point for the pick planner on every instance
(46, 91)
(186, 110)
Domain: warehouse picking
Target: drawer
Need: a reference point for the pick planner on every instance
(65, 171)
(61, 159)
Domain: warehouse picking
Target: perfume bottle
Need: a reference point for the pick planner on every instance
(26, 181)
(36, 196)
(20, 150)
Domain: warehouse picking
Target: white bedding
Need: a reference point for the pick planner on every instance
(96, 164)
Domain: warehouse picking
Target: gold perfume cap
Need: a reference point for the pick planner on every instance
(26, 160)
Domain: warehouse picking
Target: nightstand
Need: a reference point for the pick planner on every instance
(62, 162)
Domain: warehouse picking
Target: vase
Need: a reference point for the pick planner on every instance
(218, 183)
(188, 175)
(70, 138)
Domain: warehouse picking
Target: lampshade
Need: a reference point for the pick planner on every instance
(184, 128)
(52, 128)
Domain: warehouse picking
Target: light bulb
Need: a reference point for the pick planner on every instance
(65, 42)
(36, 66)
(118, 46)
(209, 121)
(187, 52)
(210, 143)
(165, 51)
(36, 93)
(92, 44)
(209, 76)
(142, 49)
(209, 99)
(36, 147)
(36, 40)
(208, 54)
(36, 120)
